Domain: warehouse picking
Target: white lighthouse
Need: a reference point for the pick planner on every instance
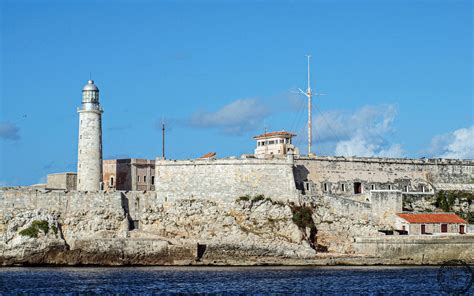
(89, 164)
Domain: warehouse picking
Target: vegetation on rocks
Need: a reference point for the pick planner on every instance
(259, 197)
(35, 227)
(446, 200)
(303, 218)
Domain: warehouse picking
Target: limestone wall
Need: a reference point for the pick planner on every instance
(413, 175)
(418, 249)
(58, 201)
(65, 181)
(225, 179)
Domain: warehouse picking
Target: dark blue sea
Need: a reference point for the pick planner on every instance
(224, 280)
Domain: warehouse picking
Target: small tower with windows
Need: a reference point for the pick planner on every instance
(89, 164)
(275, 143)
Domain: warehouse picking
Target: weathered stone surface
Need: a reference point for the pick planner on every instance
(225, 179)
(259, 228)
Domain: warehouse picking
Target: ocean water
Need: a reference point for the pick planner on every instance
(221, 281)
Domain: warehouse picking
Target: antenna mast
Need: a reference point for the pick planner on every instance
(163, 139)
(309, 93)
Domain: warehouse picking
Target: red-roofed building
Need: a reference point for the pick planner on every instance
(275, 143)
(430, 223)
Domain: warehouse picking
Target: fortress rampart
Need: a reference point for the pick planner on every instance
(339, 175)
(225, 179)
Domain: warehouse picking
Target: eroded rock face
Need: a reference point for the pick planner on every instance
(336, 231)
(32, 246)
(168, 234)
(260, 228)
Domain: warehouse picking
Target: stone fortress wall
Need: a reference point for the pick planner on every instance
(225, 179)
(339, 175)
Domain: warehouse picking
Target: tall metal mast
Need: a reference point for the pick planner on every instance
(309, 94)
(163, 138)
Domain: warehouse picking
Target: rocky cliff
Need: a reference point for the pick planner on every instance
(96, 228)
(168, 233)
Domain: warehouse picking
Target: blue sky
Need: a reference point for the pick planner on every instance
(397, 74)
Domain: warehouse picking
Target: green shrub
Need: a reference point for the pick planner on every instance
(35, 227)
(30, 231)
(42, 225)
(243, 198)
(275, 202)
(258, 198)
(302, 216)
(54, 229)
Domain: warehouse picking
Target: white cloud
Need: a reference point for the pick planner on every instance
(457, 144)
(9, 131)
(235, 118)
(359, 133)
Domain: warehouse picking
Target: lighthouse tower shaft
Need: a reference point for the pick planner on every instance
(89, 165)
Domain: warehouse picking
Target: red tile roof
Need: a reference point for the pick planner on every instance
(432, 218)
(208, 155)
(275, 134)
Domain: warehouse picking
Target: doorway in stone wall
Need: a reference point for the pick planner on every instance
(357, 188)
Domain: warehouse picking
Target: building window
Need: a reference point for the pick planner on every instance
(422, 188)
(357, 188)
(152, 180)
(343, 187)
(406, 188)
(80, 137)
(111, 181)
(372, 187)
(423, 229)
(144, 179)
(325, 187)
(389, 187)
(461, 229)
(444, 228)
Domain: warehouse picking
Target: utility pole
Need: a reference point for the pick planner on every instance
(163, 139)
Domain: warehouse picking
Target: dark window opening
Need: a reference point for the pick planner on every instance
(111, 181)
(325, 187)
(343, 187)
(444, 228)
(372, 187)
(201, 249)
(461, 229)
(134, 224)
(357, 188)
(144, 179)
(423, 229)
(152, 180)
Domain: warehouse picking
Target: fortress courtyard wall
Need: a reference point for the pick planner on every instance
(339, 175)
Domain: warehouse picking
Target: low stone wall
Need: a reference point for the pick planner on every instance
(418, 249)
(58, 201)
(225, 179)
(65, 181)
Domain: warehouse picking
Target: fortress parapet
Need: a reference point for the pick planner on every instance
(226, 179)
